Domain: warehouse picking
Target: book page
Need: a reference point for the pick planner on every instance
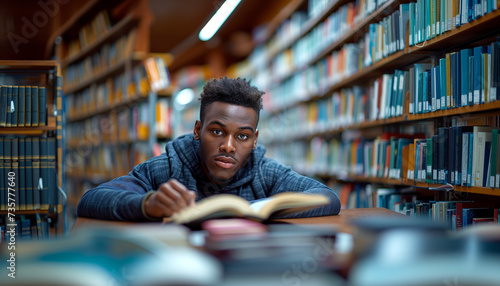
(258, 205)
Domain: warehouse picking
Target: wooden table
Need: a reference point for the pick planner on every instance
(342, 220)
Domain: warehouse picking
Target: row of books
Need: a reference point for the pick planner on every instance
(27, 227)
(29, 171)
(105, 162)
(453, 214)
(107, 57)
(417, 90)
(122, 125)
(23, 106)
(382, 39)
(90, 32)
(459, 155)
(462, 78)
(431, 18)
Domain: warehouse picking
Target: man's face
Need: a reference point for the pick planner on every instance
(227, 137)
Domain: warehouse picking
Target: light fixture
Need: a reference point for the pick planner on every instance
(218, 19)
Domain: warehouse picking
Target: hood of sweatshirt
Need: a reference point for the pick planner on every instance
(187, 148)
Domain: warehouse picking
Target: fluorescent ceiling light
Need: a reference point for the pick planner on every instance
(218, 19)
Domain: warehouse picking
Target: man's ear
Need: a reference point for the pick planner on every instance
(255, 140)
(197, 130)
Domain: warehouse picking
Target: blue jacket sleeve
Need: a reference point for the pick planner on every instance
(284, 179)
(118, 199)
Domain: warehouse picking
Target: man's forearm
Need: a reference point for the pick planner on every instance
(103, 203)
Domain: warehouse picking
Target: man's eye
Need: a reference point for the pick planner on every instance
(217, 132)
(243, 136)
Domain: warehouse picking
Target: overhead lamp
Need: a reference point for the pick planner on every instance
(218, 19)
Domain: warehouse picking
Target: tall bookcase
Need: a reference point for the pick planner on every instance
(31, 161)
(349, 81)
(111, 92)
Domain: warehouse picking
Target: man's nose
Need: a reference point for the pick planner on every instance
(227, 145)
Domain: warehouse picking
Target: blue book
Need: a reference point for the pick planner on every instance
(411, 26)
(438, 87)
(15, 103)
(477, 51)
(442, 65)
(464, 76)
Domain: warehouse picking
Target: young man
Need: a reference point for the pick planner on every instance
(221, 156)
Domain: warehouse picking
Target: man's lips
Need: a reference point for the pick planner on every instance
(225, 162)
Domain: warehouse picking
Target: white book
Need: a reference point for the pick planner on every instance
(481, 136)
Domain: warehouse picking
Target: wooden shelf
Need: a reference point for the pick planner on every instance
(39, 65)
(98, 77)
(493, 107)
(411, 183)
(105, 109)
(114, 33)
(19, 212)
(28, 130)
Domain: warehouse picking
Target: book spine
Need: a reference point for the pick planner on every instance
(3, 189)
(7, 167)
(44, 175)
(10, 107)
(29, 173)
(34, 105)
(28, 102)
(37, 185)
(15, 101)
(42, 92)
(22, 106)
(22, 174)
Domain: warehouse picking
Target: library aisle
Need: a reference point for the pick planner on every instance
(394, 105)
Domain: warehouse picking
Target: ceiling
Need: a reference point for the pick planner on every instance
(174, 29)
(177, 23)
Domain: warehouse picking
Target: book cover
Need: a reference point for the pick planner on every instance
(15, 103)
(52, 171)
(443, 133)
(44, 175)
(37, 186)
(29, 173)
(22, 174)
(493, 158)
(3, 178)
(42, 92)
(10, 107)
(3, 111)
(7, 167)
(464, 80)
(470, 162)
(34, 106)
(482, 134)
(28, 102)
(22, 106)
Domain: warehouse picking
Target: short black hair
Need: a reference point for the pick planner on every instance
(237, 91)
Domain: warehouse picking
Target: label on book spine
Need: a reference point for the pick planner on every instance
(492, 181)
(476, 96)
(443, 102)
(497, 181)
(493, 93)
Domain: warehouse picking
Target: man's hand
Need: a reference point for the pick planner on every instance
(170, 198)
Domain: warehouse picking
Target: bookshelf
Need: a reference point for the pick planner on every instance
(32, 195)
(111, 96)
(328, 66)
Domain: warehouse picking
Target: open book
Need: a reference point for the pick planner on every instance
(227, 205)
